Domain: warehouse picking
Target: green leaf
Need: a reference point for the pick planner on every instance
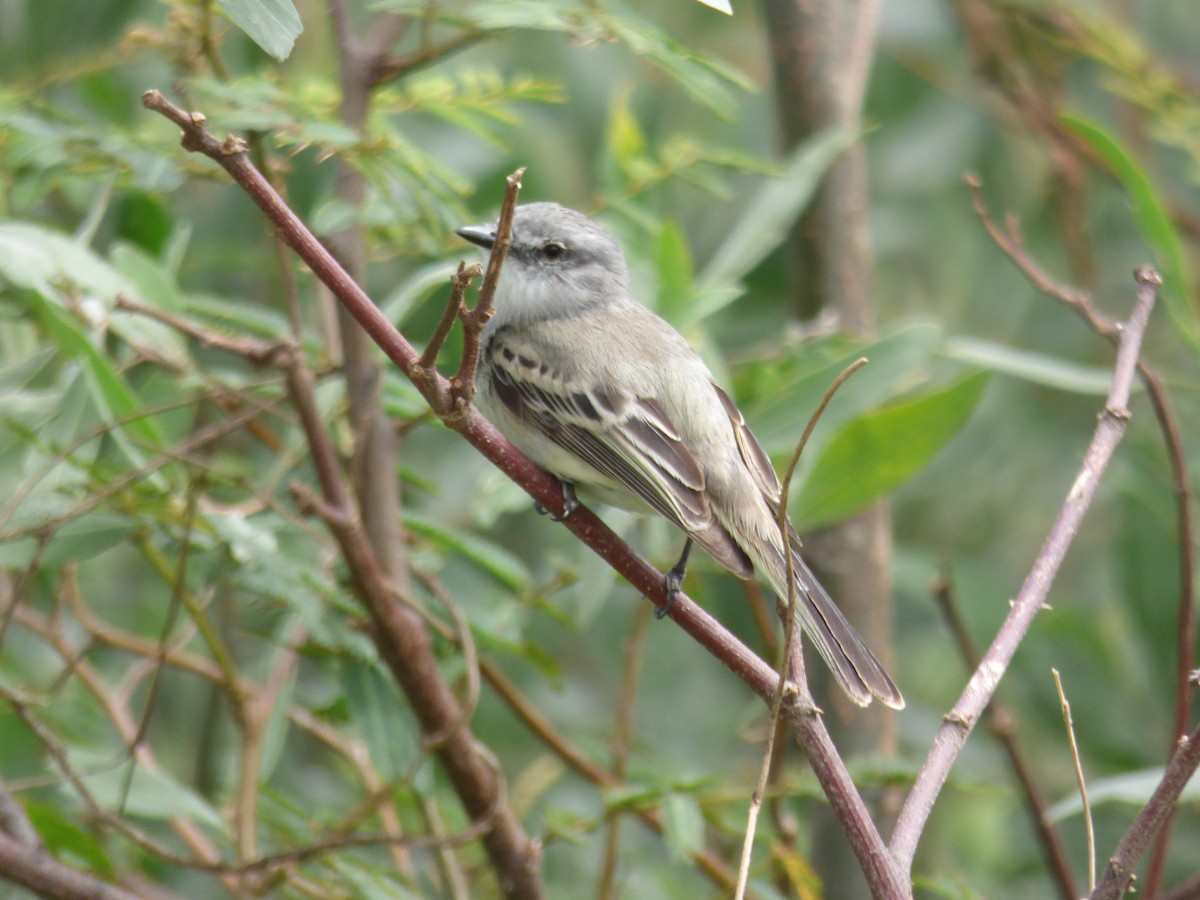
(1153, 222)
(683, 825)
(65, 838)
(674, 263)
(897, 362)
(493, 559)
(68, 273)
(279, 722)
(876, 453)
(765, 222)
(115, 399)
(153, 793)
(87, 537)
(374, 706)
(239, 317)
(1130, 787)
(1036, 368)
(154, 287)
(272, 24)
(704, 80)
(626, 141)
(42, 260)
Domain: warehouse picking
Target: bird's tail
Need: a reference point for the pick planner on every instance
(854, 666)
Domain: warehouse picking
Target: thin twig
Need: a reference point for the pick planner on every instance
(454, 879)
(961, 720)
(459, 282)
(178, 586)
(631, 672)
(463, 383)
(253, 350)
(791, 664)
(1088, 825)
(1001, 721)
(391, 68)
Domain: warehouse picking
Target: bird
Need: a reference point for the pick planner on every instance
(612, 401)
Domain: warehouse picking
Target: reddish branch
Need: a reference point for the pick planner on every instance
(439, 392)
(230, 154)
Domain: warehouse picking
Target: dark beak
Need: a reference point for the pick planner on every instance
(481, 235)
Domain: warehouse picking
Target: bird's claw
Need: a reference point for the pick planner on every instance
(570, 503)
(674, 581)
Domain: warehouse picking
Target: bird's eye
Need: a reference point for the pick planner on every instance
(554, 250)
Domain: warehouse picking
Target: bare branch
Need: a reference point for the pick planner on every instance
(38, 871)
(459, 282)
(961, 720)
(1001, 722)
(1118, 875)
(463, 383)
(1009, 240)
(791, 659)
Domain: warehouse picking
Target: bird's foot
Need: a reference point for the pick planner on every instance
(674, 581)
(570, 503)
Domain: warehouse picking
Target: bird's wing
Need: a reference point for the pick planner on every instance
(626, 438)
(752, 452)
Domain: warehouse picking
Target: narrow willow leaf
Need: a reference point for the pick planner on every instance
(153, 793)
(115, 398)
(374, 704)
(1036, 368)
(674, 263)
(1153, 222)
(765, 222)
(683, 825)
(492, 558)
(1129, 787)
(87, 537)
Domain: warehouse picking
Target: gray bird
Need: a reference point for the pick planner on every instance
(610, 399)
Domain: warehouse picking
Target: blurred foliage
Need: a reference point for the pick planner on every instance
(159, 584)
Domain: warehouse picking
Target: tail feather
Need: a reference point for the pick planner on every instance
(853, 664)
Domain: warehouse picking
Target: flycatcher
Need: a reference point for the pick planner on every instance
(610, 399)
